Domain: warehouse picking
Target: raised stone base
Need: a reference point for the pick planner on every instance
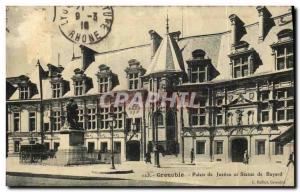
(71, 150)
(75, 155)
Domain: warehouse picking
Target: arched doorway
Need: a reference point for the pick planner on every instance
(133, 150)
(238, 148)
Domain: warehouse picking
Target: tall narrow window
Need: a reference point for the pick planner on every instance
(278, 148)
(198, 115)
(104, 113)
(133, 81)
(218, 147)
(117, 146)
(160, 119)
(200, 147)
(16, 146)
(56, 90)
(24, 92)
(78, 87)
(56, 121)
(260, 147)
(103, 147)
(285, 104)
(32, 121)
(284, 57)
(16, 117)
(138, 124)
(219, 114)
(264, 96)
(92, 118)
(103, 84)
(81, 118)
(119, 117)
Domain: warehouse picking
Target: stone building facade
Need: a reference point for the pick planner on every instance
(244, 80)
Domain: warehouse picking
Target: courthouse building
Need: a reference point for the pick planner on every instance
(244, 80)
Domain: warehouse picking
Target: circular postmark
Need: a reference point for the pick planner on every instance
(85, 25)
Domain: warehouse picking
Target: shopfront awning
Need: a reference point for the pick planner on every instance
(285, 137)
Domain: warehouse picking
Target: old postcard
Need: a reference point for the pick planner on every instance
(150, 96)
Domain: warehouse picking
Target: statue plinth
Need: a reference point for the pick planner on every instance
(71, 150)
(70, 138)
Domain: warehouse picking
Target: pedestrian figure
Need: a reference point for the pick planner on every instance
(148, 158)
(246, 157)
(192, 155)
(291, 159)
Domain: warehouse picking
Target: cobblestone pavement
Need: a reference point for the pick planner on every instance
(202, 174)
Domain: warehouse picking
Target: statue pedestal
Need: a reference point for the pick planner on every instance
(71, 150)
(70, 138)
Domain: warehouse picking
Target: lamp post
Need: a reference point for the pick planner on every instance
(156, 150)
(112, 124)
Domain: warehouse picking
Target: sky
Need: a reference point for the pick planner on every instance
(32, 34)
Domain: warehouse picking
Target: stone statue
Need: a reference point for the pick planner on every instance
(72, 114)
(239, 117)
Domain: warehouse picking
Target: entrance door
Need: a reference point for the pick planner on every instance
(238, 147)
(133, 151)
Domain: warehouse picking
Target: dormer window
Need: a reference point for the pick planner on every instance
(241, 67)
(134, 72)
(200, 69)
(106, 79)
(59, 86)
(82, 83)
(25, 87)
(79, 87)
(283, 50)
(243, 61)
(56, 90)
(103, 84)
(133, 81)
(24, 92)
(198, 74)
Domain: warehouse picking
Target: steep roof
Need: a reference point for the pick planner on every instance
(167, 58)
(172, 56)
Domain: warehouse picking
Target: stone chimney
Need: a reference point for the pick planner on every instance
(236, 29)
(88, 56)
(264, 17)
(155, 42)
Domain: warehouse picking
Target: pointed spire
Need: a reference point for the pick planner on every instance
(167, 24)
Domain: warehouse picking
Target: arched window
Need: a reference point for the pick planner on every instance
(170, 119)
(160, 119)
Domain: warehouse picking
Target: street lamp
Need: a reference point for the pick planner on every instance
(112, 125)
(156, 150)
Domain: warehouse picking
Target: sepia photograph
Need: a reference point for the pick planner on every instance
(150, 96)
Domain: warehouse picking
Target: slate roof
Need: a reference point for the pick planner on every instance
(167, 57)
(172, 56)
